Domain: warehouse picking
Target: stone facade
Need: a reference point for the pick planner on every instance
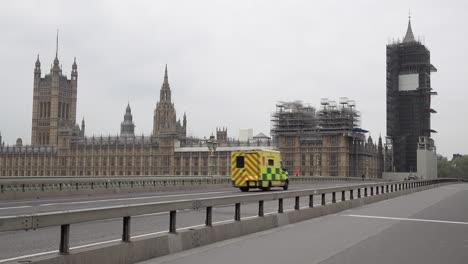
(331, 155)
(60, 147)
(165, 114)
(328, 142)
(64, 150)
(54, 103)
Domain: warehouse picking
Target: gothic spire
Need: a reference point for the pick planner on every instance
(127, 128)
(165, 93)
(128, 110)
(409, 37)
(82, 131)
(166, 79)
(56, 67)
(56, 46)
(37, 68)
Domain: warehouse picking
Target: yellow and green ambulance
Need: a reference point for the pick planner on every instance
(260, 169)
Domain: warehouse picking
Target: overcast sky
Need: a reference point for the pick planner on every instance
(229, 62)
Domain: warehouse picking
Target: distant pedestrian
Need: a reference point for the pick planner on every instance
(362, 177)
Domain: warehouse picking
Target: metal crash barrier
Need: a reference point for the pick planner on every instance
(66, 219)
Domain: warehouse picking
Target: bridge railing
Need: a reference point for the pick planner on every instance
(65, 219)
(44, 184)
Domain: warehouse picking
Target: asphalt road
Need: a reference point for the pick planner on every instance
(423, 227)
(17, 244)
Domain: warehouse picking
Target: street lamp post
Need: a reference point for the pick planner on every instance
(212, 144)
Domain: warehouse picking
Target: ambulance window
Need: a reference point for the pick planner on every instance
(240, 162)
(271, 162)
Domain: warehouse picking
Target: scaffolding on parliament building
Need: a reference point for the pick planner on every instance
(329, 140)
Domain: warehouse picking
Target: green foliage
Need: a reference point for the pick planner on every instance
(456, 168)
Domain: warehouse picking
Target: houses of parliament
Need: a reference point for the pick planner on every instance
(60, 147)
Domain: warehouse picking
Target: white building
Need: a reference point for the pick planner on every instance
(245, 134)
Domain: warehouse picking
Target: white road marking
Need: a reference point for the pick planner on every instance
(134, 198)
(15, 207)
(29, 256)
(150, 214)
(409, 219)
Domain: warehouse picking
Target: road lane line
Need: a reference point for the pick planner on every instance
(134, 198)
(29, 256)
(157, 196)
(409, 219)
(15, 207)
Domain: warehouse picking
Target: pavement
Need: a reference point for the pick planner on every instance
(424, 227)
(16, 245)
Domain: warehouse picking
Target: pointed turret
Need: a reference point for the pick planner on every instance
(128, 110)
(165, 94)
(82, 132)
(37, 68)
(409, 37)
(380, 147)
(38, 62)
(127, 128)
(166, 79)
(74, 73)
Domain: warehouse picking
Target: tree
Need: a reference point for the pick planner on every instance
(456, 168)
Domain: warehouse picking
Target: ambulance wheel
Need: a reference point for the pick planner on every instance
(286, 186)
(244, 189)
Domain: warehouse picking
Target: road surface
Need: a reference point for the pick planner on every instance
(20, 244)
(424, 227)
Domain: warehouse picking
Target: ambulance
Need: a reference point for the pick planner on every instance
(259, 169)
